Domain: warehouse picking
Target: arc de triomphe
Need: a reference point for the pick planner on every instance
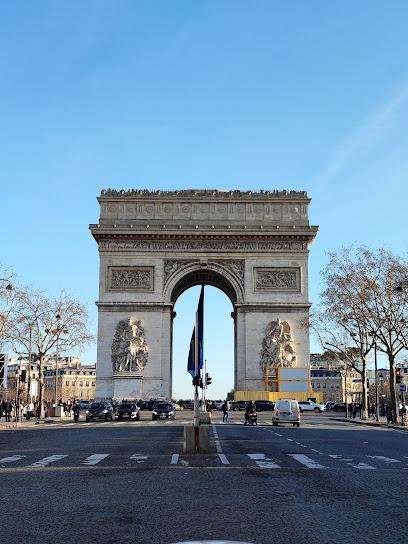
(155, 245)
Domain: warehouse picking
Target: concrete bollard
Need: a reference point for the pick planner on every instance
(189, 439)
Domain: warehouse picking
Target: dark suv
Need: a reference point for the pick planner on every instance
(100, 410)
(264, 405)
(128, 410)
(163, 410)
(238, 405)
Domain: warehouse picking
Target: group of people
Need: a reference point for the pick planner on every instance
(17, 410)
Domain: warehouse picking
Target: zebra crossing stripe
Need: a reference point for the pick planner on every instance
(262, 461)
(11, 459)
(47, 460)
(385, 459)
(305, 460)
(94, 459)
(139, 458)
(362, 466)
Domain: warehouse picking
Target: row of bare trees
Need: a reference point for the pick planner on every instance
(364, 307)
(34, 324)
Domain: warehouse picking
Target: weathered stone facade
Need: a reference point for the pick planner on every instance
(155, 245)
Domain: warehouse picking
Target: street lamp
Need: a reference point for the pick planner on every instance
(58, 331)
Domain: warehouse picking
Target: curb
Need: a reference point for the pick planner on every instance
(370, 423)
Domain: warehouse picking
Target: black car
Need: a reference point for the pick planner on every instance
(339, 407)
(264, 405)
(163, 410)
(100, 410)
(238, 405)
(129, 410)
(186, 404)
(143, 404)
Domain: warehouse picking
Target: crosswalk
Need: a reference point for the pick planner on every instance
(259, 460)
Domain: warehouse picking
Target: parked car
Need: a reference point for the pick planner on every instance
(163, 410)
(264, 406)
(238, 405)
(286, 411)
(339, 407)
(310, 406)
(329, 405)
(83, 404)
(100, 410)
(129, 410)
(143, 404)
(187, 404)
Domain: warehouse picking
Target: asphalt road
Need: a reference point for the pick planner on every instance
(129, 482)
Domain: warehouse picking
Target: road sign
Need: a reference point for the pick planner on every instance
(403, 388)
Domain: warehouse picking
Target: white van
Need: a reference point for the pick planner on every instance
(286, 411)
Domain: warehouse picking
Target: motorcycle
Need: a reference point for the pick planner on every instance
(252, 418)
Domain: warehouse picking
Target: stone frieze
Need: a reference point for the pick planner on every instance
(277, 279)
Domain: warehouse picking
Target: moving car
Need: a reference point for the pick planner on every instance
(264, 405)
(129, 410)
(186, 404)
(286, 411)
(163, 410)
(218, 404)
(339, 407)
(329, 405)
(238, 405)
(310, 406)
(100, 410)
(83, 404)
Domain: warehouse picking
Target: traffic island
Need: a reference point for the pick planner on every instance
(371, 423)
(189, 445)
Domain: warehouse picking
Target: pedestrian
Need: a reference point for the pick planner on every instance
(30, 410)
(208, 406)
(354, 411)
(76, 409)
(7, 409)
(388, 414)
(225, 410)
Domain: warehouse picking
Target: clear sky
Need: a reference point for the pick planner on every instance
(308, 95)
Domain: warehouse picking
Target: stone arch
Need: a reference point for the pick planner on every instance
(214, 274)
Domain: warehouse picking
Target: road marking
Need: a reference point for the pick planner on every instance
(139, 458)
(94, 459)
(362, 466)
(305, 460)
(277, 434)
(11, 459)
(340, 457)
(174, 459)
(47, 460)
(262, 461)
(385, 459)
(216, 440)
(223, 459)
(290, 439)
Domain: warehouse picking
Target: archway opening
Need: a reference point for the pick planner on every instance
(219, 343)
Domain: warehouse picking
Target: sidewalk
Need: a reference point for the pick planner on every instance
(34, 422)
(371, 422)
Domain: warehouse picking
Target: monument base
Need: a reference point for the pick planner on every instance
(128, 386)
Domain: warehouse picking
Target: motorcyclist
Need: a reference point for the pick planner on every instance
(250, 408)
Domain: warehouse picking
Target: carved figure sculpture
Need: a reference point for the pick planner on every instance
(277, 346)
(129, 349)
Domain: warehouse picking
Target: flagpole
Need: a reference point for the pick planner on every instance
(196, 397)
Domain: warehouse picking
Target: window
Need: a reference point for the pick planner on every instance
(66, 383)
(80, 384)
(87, 384)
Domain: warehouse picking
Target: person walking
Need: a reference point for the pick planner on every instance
(76, 409)
(29, 411)
(225, 410)
(7, 410)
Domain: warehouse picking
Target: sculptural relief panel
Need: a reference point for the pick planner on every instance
(277, 279)
(132, 278)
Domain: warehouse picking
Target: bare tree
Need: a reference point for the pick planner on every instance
(41, 323)
(365, 297)
(7, 300)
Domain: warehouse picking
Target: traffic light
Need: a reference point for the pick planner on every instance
(197, 381)
(208, 379)
(398, 377)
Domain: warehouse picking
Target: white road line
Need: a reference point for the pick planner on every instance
(305, 460)
(385, 459)
(223, 459)
(138, 457)
(262, 461)
(290, 439)
(47, 460)
(11, 459)
(174, 459)
(216, 440)
(362, 466)
(94, 459)
(277, 434)
(317, 451)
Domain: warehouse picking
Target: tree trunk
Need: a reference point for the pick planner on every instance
(41, 386)
(364, 396)
(393, 392)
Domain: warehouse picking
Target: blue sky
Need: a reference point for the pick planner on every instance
(212, 94)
